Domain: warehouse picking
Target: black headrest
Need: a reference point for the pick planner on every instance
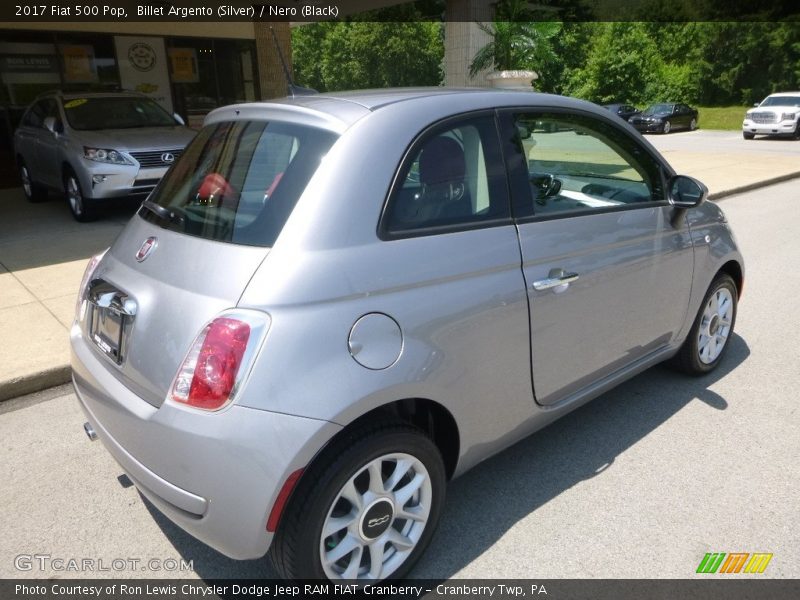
(442, 160)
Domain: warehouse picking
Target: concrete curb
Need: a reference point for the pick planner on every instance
(35, 382)
(61, 374)
(754, 186)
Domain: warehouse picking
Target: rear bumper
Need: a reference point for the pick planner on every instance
(215, 475)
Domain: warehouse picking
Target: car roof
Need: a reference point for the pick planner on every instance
(339, 110)
(779, 94)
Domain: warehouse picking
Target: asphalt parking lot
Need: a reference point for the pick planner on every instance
(640, 483)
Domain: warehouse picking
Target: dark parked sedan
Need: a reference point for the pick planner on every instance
(623, 111)
(663, 118)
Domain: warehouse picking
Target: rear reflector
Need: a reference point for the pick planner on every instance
(280, 501)
(91, 266)
(218, 360)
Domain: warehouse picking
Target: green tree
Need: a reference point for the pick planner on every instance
(516, 43)
(364, 52)
(624, 65)
(366, 55)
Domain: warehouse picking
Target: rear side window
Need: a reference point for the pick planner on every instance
(239, 181)
(452, 179)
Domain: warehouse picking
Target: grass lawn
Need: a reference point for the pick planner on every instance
(722, 117)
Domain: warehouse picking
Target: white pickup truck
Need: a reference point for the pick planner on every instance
(778, 114)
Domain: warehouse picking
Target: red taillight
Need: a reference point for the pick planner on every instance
(208, 375)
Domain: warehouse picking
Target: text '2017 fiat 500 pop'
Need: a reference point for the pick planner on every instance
(333, 304)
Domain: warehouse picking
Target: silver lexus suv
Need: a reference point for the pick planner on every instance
(333, 304)
(92, 147)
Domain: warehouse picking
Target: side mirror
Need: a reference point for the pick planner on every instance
(686, 192)
(756, 104)
(179, 119)
(53, 125)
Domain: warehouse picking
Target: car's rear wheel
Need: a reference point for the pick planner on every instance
(711, 332)
(33, 191)
(667, 127)
(747, 135)
(82, 208)
(693, 124)
(367, 509)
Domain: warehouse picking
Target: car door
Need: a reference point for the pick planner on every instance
(607, 268)
(449, 273)
(47, 147)
(684, 115)
(27, 136)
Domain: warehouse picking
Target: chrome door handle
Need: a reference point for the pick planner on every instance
(555, 280)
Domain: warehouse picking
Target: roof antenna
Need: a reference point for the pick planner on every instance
(292, 89)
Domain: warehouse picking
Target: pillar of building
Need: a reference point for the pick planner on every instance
(462, 40)
(270, 70)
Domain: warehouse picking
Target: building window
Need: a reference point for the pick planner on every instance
(206, 74)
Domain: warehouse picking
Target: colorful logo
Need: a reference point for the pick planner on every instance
(736, 562)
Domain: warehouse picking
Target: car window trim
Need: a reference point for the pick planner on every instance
(383, 232)
(505, 116)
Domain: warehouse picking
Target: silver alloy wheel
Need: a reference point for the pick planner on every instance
(376, 519)
(74, 195)
(27, 185)
(715, 326)
(667, 126)
(693, 125)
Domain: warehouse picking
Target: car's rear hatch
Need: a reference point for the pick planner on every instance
(194, 245)
(184, 282)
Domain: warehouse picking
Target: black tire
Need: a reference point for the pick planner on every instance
(667, 127)
(747, 135)
(689, 358)
(82, 208)
(33, 191)
(693, 124)
(297, 546)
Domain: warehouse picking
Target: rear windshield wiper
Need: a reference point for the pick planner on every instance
(162, 212)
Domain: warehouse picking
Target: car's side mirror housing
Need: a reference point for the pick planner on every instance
(53, 125)
(755, 104)
(686, 192)
(178, 119)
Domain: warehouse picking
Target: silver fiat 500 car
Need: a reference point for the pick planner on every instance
(333, 304)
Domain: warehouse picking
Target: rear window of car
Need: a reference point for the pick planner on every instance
(124, 112)
(239, 181)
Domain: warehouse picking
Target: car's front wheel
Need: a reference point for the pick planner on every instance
(367, 509)
(712, 329)
(747, 135)
(693, 124)
(82, 208)
(667, 127)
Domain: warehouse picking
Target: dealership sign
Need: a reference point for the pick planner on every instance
(143, 67)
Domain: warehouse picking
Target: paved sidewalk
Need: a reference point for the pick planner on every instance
(43, 251)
